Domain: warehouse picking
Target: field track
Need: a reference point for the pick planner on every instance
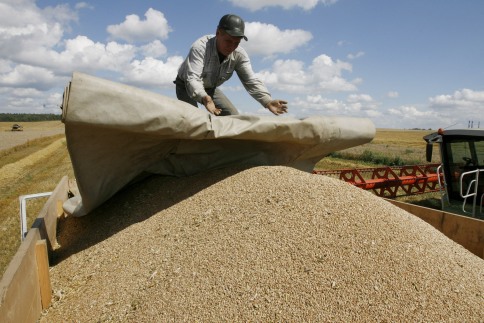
(32, 130)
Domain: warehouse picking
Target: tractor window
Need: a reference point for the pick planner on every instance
(480, 153)
(459, 158)
(463, 156)
(460, 153)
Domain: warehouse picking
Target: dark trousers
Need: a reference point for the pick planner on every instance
(218, 97)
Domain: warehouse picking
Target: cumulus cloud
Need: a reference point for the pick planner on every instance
(267, 39)
(414, 117)
(361, 102)
(255, 5)
(407, 111)
(24, 35)
(154, 49)
(83, 5)
(324, 74)
(355, 105)
(132, 29)
(312, 104)
(25, 89)
(37, 60)
(356, 55)
(457, 108)
(25, 76)
(152, 72)
(81, 53)
(393, 94)
(464, 98)
(443, 110)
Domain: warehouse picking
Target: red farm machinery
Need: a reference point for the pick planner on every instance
(459, 177)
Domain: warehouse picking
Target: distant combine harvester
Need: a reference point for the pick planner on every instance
(17, 127)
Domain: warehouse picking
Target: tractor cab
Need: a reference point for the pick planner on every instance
(462, 163)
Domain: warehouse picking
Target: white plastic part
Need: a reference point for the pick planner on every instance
(23, 211)
(473, 186)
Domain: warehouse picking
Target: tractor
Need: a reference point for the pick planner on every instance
(462, 166)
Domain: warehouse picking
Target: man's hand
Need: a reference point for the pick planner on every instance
(210, 105)
(277, 106)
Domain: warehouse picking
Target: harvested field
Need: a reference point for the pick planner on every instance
(40, 170)
(32, 130)
(261, 244)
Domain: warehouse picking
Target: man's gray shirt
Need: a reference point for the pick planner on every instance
(202, 70)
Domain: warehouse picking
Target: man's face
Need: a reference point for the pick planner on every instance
(226, 44)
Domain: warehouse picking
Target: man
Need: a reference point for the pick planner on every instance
(212, 61)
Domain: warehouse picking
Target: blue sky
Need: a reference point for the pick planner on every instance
(403, 64)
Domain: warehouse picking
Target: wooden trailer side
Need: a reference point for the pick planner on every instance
(25, 286)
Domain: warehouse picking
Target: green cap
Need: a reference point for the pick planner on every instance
(233, 25)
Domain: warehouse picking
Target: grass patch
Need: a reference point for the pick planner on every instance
(375, 158)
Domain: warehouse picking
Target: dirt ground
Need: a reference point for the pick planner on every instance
(31, 130)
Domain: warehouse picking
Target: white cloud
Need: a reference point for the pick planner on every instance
(28, 33)
(409, 116)
(393, 94)
(457, 108)
(5, 66)
(25, 76)
(359, 98)
(315, 103)
(464, 98)
(83, 5)
(25, 89)
(254, 5)
(356, 55)
(135, 30)
(355, 105)
(37, 61)
(409, 112)
(324, 74)
(267, 39)
(436, 116)
(152, 72)
(17, 42)
(154, 49)
(81, 53)
(361, 102)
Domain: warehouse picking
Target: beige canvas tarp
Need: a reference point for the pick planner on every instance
(116, 133)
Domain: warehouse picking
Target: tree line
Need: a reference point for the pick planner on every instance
(28, 117)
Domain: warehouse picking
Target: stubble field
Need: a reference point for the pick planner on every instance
(31, 161)
(31, 131)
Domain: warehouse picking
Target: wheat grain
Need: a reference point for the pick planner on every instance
(261, 244)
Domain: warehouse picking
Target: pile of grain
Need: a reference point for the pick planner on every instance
(262, 244)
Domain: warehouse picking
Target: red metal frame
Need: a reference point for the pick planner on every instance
(387, 181)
